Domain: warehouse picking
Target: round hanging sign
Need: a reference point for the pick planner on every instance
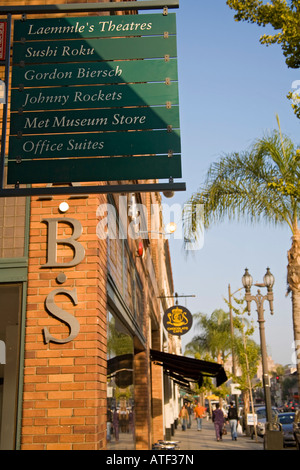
(177, 320)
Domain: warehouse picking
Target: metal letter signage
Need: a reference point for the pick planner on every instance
(177, 320)
(79, 252)
(62, 315)
(100, 87)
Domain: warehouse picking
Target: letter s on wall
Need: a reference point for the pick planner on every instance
(62, 315)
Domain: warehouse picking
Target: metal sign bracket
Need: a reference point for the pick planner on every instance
(100, 189)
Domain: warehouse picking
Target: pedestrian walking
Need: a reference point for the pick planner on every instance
(233, 419)
(190, 413)
(218, 420)
(184, 416)
(199, 412)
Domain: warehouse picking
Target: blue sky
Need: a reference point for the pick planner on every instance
(231, 88)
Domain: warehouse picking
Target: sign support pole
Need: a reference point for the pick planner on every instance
(5, 105)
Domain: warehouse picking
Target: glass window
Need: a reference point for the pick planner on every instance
(120, 392)
(10, 315)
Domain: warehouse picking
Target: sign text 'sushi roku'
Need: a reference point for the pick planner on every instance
(65, 51)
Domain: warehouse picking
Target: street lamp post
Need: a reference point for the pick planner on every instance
(230, 295)
(259, 300)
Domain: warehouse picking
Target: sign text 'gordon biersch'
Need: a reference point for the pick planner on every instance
(90, 88)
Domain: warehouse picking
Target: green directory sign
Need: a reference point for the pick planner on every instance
(135, 94)
(94, 49)
(126, 71)
(60, 122)
(90, 88)
(94, 27)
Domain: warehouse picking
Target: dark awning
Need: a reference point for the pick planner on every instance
(189, 368)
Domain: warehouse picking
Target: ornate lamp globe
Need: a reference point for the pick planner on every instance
(269, 279)
(247, 280)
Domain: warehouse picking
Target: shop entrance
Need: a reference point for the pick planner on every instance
(120, 391)
(10, 317)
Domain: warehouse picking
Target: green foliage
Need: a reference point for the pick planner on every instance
(212, 344)
(282, 16)
(118, 343)
(245, 349)
(214, 338)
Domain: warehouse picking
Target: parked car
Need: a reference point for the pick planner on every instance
(296, 429)
(287, 423)
(261, 419)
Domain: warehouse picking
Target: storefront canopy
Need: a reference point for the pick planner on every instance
(187, 368)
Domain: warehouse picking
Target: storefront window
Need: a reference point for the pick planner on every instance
(10, 314)
(120, 392)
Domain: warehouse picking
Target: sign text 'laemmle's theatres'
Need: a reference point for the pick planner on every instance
(79, 86)
(71, 28)
(100, 27)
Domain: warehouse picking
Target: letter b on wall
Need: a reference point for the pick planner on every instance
(53, 241)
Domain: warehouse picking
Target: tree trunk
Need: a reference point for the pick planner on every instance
(293, 280)
(246, 400)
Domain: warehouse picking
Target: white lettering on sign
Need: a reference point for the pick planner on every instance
(78, 97)
(128, 120)
(42, 99)
(67, 51)
(100, 96)
(88, 73)
(55, 29)
(65, 122)
(82, 72)
(103, 26)
(44, 145)
(110, 26)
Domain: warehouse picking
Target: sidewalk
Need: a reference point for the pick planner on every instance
(191, 439)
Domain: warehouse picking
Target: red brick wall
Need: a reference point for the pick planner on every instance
(157, 393)
(64, 402)
(142, 401)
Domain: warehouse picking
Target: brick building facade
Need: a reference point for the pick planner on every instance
(72, 302)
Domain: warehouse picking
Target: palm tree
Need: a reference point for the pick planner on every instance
(214, 338)
(261, 184)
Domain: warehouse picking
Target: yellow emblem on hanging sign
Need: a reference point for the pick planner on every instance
(177, 320)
